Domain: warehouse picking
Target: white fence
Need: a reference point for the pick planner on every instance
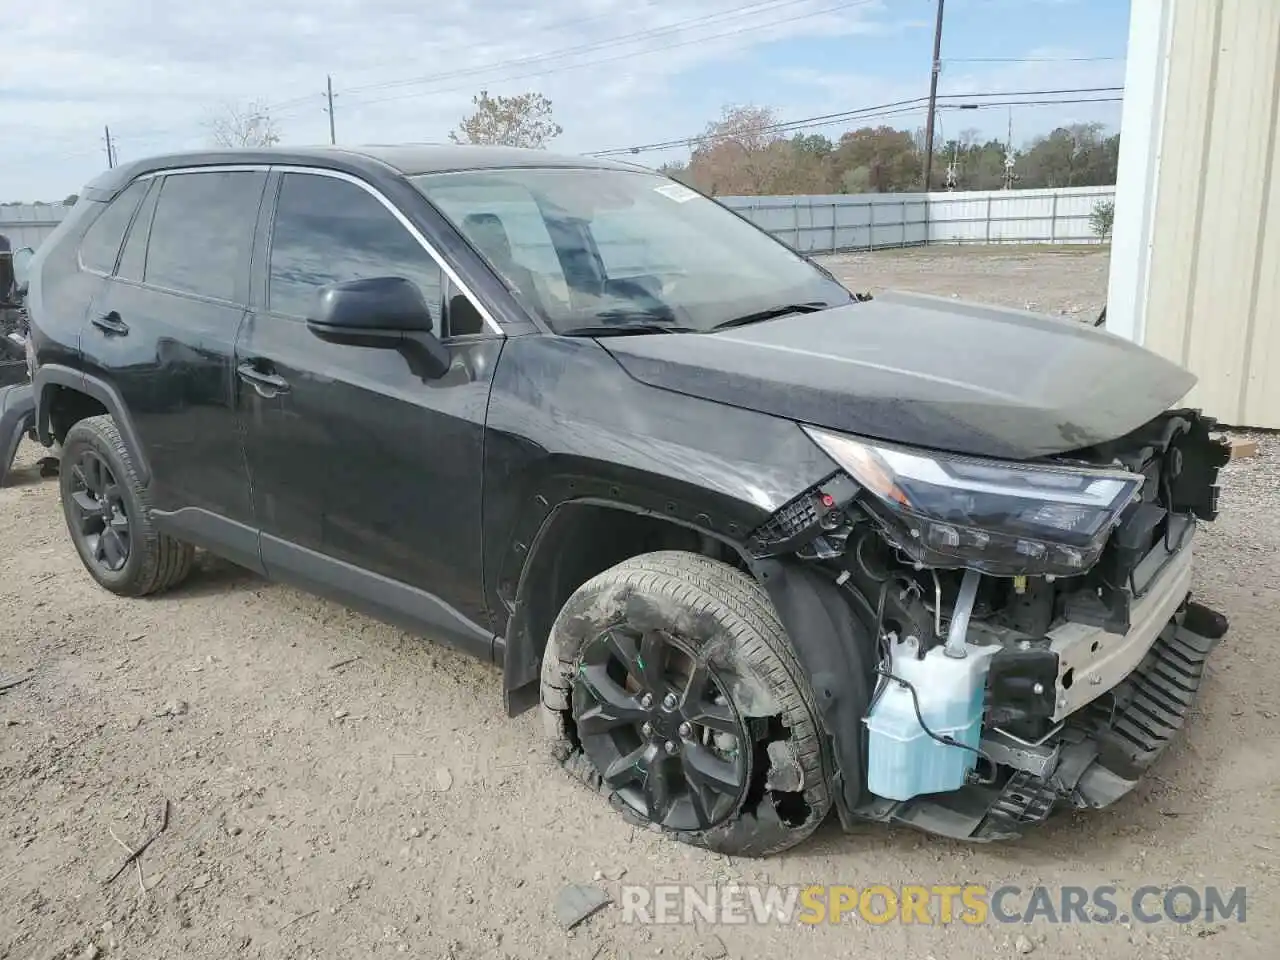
(829, 223)
(835, 223)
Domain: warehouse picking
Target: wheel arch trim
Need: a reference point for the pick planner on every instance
(521, 653)
(49, 376)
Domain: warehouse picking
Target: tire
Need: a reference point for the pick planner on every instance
(153, 561)
(715, 617)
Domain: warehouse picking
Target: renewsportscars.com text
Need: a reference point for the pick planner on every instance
(969, 904)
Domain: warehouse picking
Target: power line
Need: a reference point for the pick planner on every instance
(547, 28)
(1029, 59)
(919, 107)
(629, 55)
(783, 126)
(878, 111)
(759, 6)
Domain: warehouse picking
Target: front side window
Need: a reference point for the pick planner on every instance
(328, 231)
(101, 244)
(590, 248)
(202, 232)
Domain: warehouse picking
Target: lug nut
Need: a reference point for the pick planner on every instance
(646, 701)
(647, 729)
(670, 747)
(686, 730)
(669, 701)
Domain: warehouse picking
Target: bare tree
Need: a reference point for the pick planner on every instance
(523, 120)
(244, 125)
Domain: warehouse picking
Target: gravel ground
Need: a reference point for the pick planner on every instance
(387, 807)
(1066, 280)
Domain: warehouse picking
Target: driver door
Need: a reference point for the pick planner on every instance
(366, 478)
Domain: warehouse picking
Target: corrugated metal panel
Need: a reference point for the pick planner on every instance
(1214, 296)
(870, 221)
(831, 223)
(1016, 216)
(27, 224)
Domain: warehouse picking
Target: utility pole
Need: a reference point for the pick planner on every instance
(333, 137)
(111, 150)
(1009, 159)
(933, 99)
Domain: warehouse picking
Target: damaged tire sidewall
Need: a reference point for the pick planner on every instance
(681, 603)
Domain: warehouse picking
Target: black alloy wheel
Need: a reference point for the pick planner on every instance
(661, 729)
(101, 517)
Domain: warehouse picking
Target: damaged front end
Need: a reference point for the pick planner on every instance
(990, 640)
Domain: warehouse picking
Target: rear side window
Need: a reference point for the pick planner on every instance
(202, 233)
(329, 230)
(134, 256)
(101, 244)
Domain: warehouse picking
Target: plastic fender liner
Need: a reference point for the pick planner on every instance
(837, 651)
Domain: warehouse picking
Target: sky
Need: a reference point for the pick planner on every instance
(619, 73)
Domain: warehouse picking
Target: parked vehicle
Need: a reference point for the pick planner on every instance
(17, 398)
(753, 546)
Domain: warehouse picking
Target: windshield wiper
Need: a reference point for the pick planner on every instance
(628, 329)
(813, 306)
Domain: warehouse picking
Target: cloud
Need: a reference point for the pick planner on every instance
(405, 70)
(156, 72)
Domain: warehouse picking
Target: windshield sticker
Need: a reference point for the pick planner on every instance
(677, 192)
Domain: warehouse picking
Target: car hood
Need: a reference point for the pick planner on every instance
(923, 371)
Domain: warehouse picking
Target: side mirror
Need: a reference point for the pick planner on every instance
(380, 312)
(22, 270)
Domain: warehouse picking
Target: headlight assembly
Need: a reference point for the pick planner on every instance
(1000, 517)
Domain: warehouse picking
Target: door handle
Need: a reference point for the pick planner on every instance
(267, 384)
(111, 324)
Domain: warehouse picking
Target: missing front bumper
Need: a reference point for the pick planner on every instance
(1091, 660)
(1095, 757)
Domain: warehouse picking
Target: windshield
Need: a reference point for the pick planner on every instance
(590, 249)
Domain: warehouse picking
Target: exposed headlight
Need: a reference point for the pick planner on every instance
(997, 516)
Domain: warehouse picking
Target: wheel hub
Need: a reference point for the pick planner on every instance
(96, 513)
(659, 726)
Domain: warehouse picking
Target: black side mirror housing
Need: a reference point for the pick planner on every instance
(381, 312)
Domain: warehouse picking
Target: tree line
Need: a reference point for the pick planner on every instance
(743, 153)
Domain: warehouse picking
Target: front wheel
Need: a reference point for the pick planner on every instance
(669, 685)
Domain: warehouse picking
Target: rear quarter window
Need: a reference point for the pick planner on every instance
(101, 244)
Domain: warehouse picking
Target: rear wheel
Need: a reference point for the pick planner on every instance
(108, 514)
(669, 685)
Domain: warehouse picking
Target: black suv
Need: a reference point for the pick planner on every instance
(756, 547)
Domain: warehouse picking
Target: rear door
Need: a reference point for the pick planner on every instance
(366, 479)
(162, 331)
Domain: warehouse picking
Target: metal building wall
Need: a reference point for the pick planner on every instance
(1213, 292)
(27, 224)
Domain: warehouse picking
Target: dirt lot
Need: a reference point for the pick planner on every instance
(1070, 281)
(386, 806)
